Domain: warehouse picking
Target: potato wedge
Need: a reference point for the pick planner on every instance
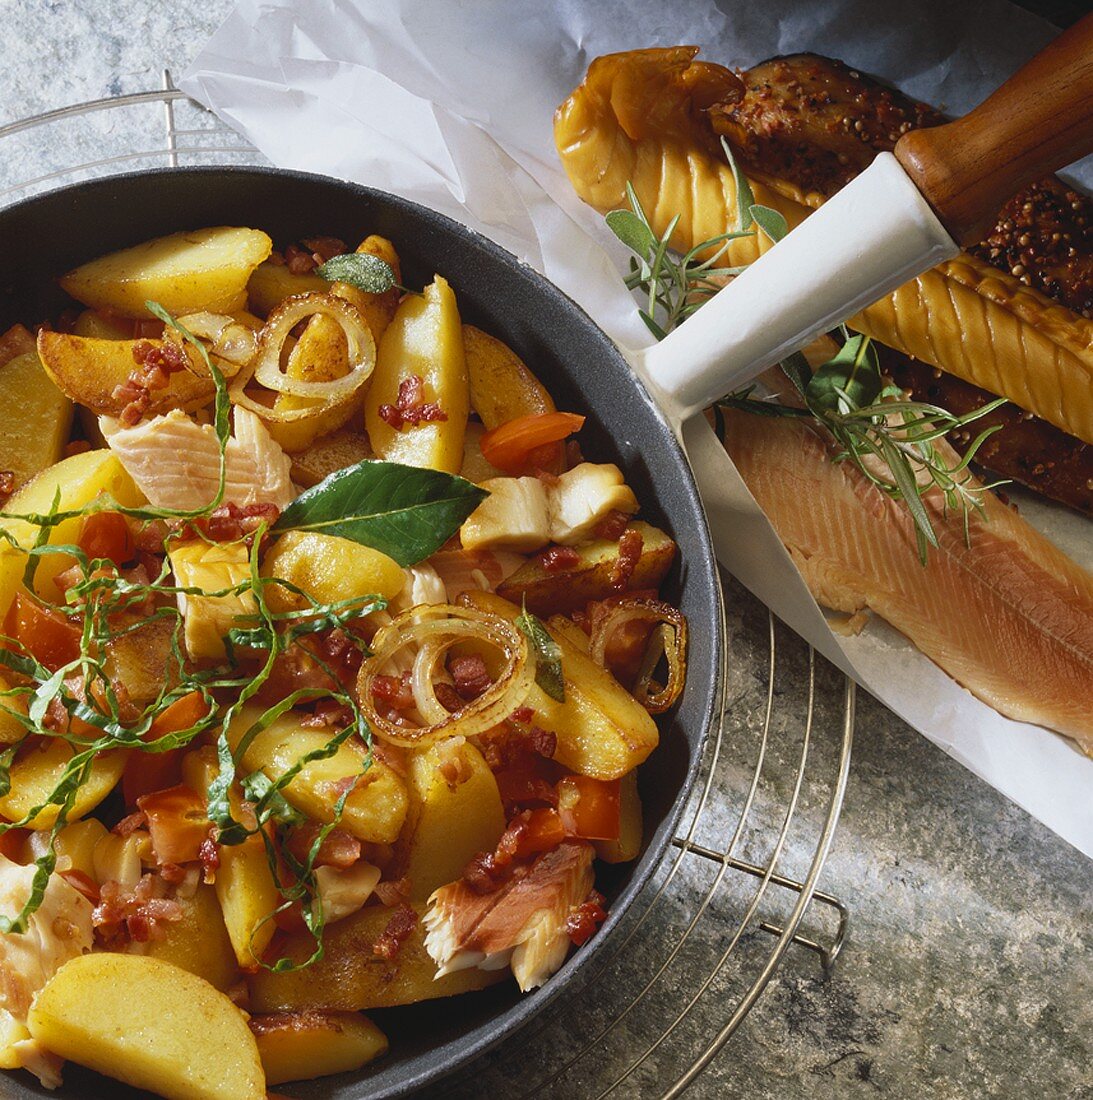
(350, 977)
(38, 769)
(270, 284)
(450, 820)
(590, 579)
(297, 1046)
(17, 340)
(75, 845)
(200, 269)
(425, 341)
(502, 387)
(602, 730)
(74, 481)
(320, 355)
(628, 845)
(329, 569)
(374, 811)
(198, 943)
(89, 369)
(35, 418)
(103, 326)
(333, 452)
(244, 883)
(151, 1025)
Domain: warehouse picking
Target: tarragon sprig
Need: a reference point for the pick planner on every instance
(890, 439)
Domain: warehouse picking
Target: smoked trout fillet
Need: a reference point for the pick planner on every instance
(1008, 616)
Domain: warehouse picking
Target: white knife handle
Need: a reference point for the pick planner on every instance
(872, 236)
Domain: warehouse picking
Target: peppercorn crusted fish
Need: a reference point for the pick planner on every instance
(522, 923)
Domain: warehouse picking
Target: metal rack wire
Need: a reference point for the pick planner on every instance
(740, 885)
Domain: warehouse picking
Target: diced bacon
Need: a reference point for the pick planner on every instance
(399, 928)
(209, 856)
(135, 913)
(393, 893)
(338, 849)
(612, 525)
(470, 676)
(582, 922)
(324, 248)
(410, 406)
(630, 547)
(557, 559)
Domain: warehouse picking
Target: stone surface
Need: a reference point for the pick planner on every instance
(969, 967)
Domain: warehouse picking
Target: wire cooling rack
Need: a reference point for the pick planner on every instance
(738, 889)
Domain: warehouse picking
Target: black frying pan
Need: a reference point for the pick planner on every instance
(45, 236)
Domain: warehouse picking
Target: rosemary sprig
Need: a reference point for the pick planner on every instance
(890, 439)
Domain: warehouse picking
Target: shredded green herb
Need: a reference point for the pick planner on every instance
(548, 654)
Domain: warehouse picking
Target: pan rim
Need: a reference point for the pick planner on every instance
(457, 1053)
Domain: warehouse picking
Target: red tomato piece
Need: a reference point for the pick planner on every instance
(589, 808)
(509, 445)
(178, 823)
(44, 633)
(107, 535)
(146, 772)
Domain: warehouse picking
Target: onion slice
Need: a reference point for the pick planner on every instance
(433, 629)
(668, 639)
(279, 325)
(230, 341)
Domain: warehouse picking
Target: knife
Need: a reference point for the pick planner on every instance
(908, 211)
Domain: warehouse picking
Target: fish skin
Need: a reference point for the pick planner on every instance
(1010, 617)
(521, 924)
(176, 461)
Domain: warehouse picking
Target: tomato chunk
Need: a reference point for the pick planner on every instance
(589, 808)
(152, 771)
(44, 633)
(509, 445)
(107, 535)
(178, 823)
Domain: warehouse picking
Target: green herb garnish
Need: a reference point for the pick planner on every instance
(888, 438)
(548, 654)
(407, 512)
(362, 270)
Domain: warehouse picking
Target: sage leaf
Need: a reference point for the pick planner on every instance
(854, 374)
(406, 512)
(769, 221)
(632, 231)
(360, 269)
(548, 655)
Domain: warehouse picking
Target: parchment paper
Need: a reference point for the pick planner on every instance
(451, 104)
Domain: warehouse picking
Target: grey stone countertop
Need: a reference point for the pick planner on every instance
(969, 967)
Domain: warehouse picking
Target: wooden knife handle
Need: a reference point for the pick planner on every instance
(1039, 120)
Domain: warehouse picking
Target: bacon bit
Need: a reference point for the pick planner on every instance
(76, 447)
(231, 522)
(338, 787)
(453, 766)
(542, 742)
(482, 876)
(82, 883)
(393, 756)
(402, 923)
(324, 248)
(581, 924)
(573, 454)
(448, 697)
(137, 913)
(393, 893)
(298, 261)
(129, 825)
(172, 873)
(557, 559)
(328, 714)
(522, 714)
(7, 484)
(277, 258)
(410, 406)
(338, 849)
(612, 526)
(209, 855)
(392, 695)
(470, 675)
(630, 547)
(150, 536)
(527, 834)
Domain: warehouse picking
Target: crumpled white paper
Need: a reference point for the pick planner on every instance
(452, 105)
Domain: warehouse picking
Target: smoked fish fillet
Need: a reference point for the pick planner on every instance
(1010, 617)
(801, 127)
